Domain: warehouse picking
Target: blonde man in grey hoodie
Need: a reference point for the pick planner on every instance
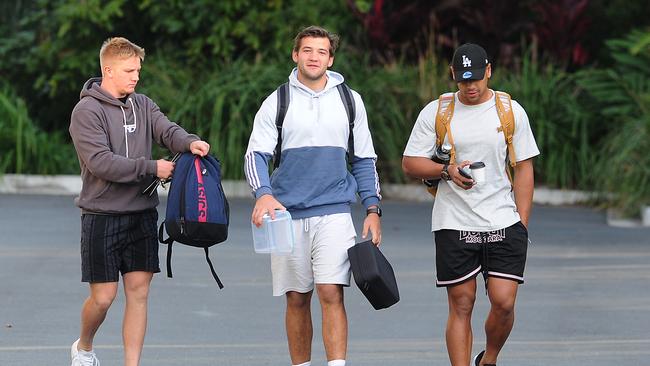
(113, 129)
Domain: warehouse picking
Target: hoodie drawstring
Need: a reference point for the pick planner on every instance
(126, 136)
(305, 224)
(129, 128)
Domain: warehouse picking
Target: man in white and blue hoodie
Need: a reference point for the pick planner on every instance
(313, 182)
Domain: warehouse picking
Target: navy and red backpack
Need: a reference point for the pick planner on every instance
(197, 209)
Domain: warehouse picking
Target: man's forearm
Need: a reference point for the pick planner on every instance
(524, 186)
(420, 167)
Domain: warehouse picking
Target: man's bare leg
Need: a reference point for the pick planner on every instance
(134, 326)
(459, 338)
(335, 321)
(299, 326)
(94, 310)
(502, 294)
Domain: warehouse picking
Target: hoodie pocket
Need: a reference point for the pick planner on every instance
(105, 189)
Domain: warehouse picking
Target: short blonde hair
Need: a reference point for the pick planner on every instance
(119, 47)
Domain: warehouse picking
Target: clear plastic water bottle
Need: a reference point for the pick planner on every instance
(441, 155)
(274, 236)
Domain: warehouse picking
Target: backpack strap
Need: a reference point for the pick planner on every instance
(507, 119)
(284, 98)
(283, 106)
(161, 231)
(443, 121)
(169, 259)
(169, 242)
(214, 274)
(348, 103)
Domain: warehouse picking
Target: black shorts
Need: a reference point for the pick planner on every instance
(111, 244)
(462, 255)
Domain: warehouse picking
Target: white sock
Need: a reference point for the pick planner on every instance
(86, 353)
(308, 363)
(336, 363)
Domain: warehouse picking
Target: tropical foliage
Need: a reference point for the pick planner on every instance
(563, 129)
(622, 95)
(24, 148)
(210, 64)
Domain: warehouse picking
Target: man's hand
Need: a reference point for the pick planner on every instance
(200, 148)
(372, 223)
(456, 177)
(164, 169)
(266, 204)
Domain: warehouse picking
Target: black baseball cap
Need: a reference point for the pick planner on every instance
(469, 62)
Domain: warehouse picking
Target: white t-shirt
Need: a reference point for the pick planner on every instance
(489, 205)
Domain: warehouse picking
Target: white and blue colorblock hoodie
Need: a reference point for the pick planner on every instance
(313, 177)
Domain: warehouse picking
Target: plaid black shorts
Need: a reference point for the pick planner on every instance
(111, 244)
(462, 255)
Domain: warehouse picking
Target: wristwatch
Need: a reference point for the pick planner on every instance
(444, 174)
(375, 210)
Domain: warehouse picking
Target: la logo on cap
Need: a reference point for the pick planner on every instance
(466, 62)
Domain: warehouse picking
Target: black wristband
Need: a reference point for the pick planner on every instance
(375, 210)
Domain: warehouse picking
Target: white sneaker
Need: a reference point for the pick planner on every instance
(81, 357)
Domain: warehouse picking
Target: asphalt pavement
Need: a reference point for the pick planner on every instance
(586, 300)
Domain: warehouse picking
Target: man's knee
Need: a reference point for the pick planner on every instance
(503, 308)
(462, 303)
(330, 294)
(297, 300)
(136, 285)
(103, 299)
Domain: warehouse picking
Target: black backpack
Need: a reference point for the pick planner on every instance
(197, 209)
(284, 98)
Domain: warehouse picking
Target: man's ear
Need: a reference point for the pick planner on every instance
(107, 71)
(488, 71)
(294, 56)
(330, 62)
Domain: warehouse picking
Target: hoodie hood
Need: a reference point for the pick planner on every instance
(92, 88)
(333, 79)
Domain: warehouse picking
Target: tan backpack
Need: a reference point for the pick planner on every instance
(506, 117)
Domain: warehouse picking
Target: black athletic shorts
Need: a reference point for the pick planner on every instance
(462, 255)
(111, 244)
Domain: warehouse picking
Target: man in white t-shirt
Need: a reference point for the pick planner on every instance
(478, 227)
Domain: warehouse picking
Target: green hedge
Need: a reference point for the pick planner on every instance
(24, 148)
(210, 64)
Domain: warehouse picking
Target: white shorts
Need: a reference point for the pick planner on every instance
(320, 254)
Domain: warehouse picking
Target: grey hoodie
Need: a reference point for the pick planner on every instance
(113, 142)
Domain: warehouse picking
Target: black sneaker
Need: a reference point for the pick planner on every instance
(479, 357)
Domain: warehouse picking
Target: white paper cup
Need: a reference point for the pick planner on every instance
(477, 170)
